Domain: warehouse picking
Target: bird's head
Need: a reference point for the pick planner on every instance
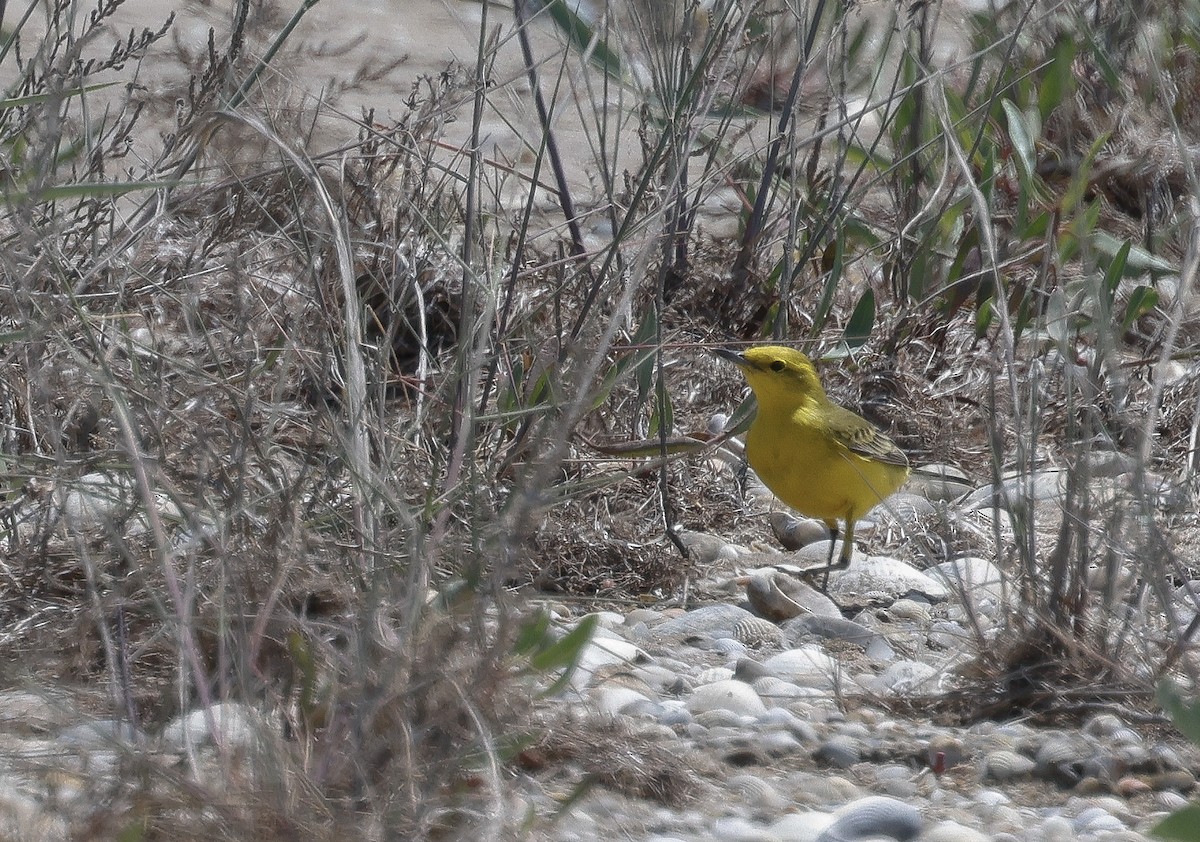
(779, 376)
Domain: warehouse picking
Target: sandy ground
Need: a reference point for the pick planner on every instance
(342, 60)
(341, 63)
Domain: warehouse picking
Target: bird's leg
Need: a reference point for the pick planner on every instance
(847, 550)
(833, 536)
(847, 545)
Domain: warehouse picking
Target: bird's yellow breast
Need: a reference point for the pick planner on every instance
(803, 463)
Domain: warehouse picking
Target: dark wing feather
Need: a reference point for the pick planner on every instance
(861, 437)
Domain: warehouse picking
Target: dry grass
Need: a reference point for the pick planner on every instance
(338, 428)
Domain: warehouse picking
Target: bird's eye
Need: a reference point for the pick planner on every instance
(778, 365)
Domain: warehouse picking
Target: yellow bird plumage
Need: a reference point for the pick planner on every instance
(819, 458)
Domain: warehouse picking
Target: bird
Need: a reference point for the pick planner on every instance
(821, 459)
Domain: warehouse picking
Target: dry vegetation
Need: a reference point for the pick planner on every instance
(291, 428)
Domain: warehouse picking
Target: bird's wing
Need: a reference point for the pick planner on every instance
(861, 437)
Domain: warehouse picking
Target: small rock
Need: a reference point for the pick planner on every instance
(949, 831)
(710, 621)
(778, 596)
(841, 752)
(611, 701)
(231, 724)
(807, 666)
(735, 829)
(884, 575)
(903, 510)
(735, 696)
(907, 677)
(938, 483)
(1004, 765)
(823, 627)
(1040, 486)
(795, 532)
(873, 817)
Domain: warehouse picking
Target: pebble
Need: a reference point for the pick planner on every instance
(1004, 765)
(778, 596)
(602, 652)
(228, 724)
(904, 678)
(795, 532)
(807, 666)
(837, 628)
(801, 827)
(735, 829)
(950, 831)
(903, 510)
(884, 577)
(611, 701)
(840, 752)
(873, 817)
(939, 483)
(733, 696)
(711, 621)
(1039, 486)
(783, 722)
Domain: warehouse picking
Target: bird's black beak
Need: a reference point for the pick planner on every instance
(732, 356)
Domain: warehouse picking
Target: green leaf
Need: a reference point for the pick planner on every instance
(663, 417)
(1058, 81)
(1137, 261)
(1185, 715)
(508, 400)
(33, 99)
(858, 40)
(9, 336)
(862, 320)
(645, 365)
(533, 633)
(565, 652)
(1037, 228)
(638, 357)
(860, 233)
(1058, 318)
(541, 390)
(564, 805)
(1081, 182)
(834, 258)
(1142, 301)
(983, 317)
(1183, 824)
(1114, 272)
(924, 267)
(88, 190)
(956, 111)
(859, 156)
(305, 663)
(957, 290)
(1022, 142)
(1023, 317)
(135, 832)
(987, 170)
(742, 417)
(1112, 79)
(906, 111)
(1081, 229)
(584, 37)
